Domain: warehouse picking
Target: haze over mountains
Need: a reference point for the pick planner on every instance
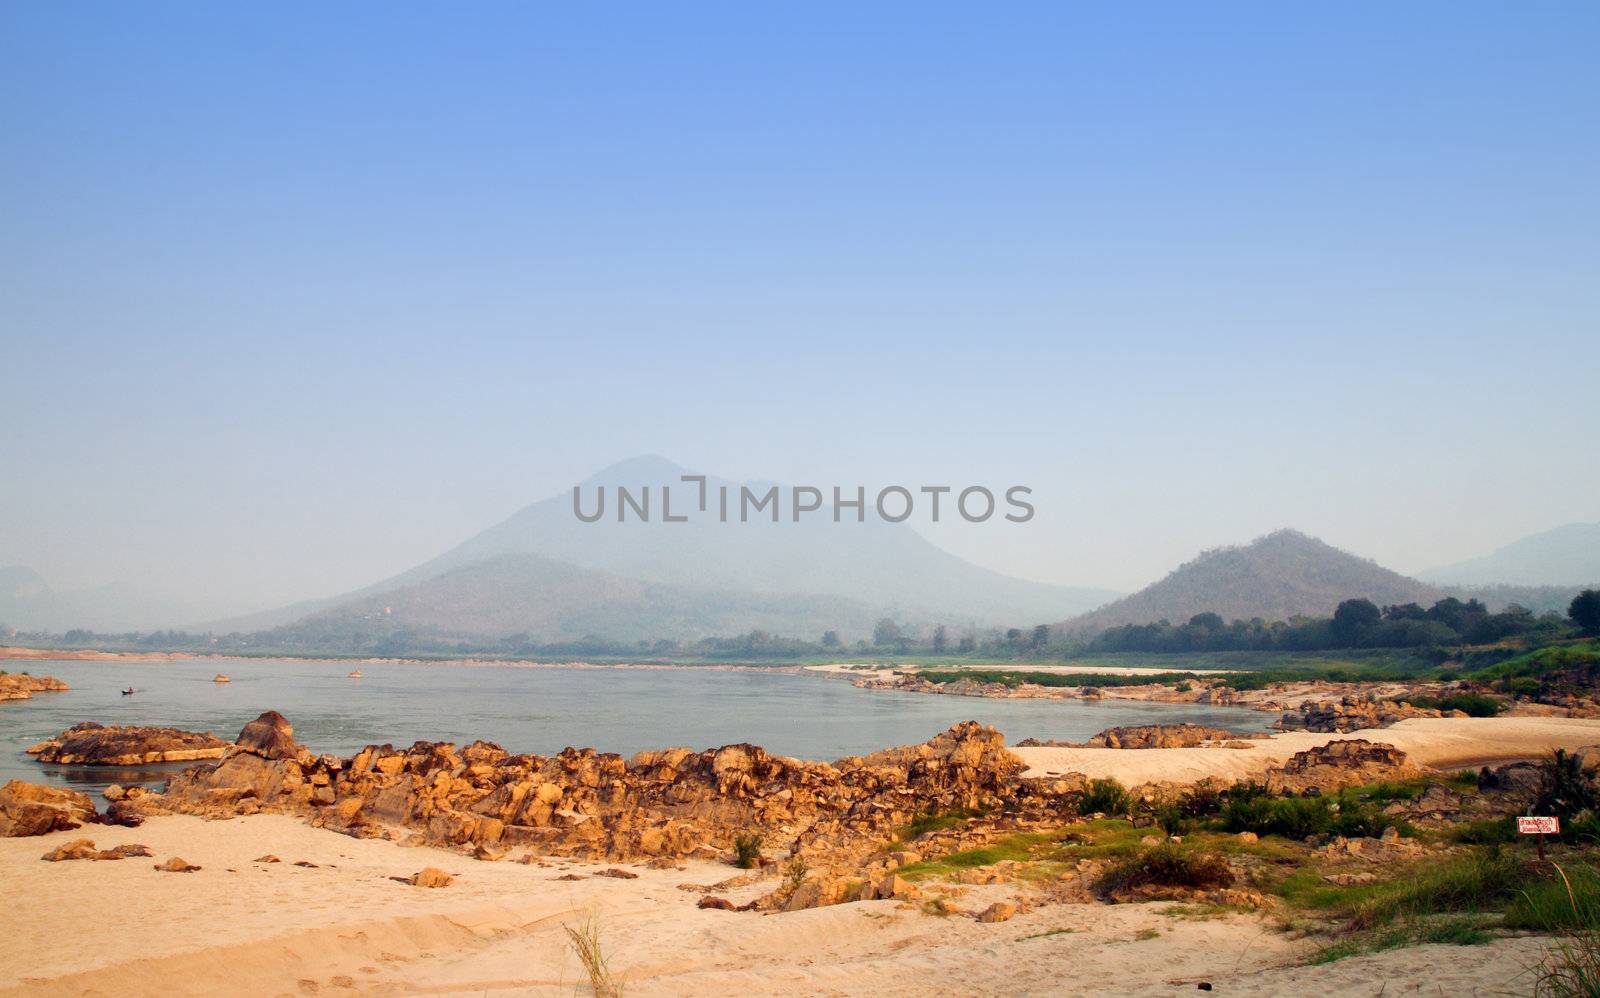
(545, 573)
(546, 576)
(1565, 556)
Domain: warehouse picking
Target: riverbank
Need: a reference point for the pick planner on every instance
(1446, 744)
(343, 926)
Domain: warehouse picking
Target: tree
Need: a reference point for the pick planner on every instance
(1585, 610)
(830, 639)
(967, 645)
(887, 632)
(1041, 634)
(1206, 622)
(1353, 618)
(939, 640)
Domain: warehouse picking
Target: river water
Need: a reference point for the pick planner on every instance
(538, 710)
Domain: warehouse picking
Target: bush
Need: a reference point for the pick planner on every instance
(746, 851)
(1472, 704)
(1300, 817)
(1569, 793)
(1105, 796)
(1166, 866)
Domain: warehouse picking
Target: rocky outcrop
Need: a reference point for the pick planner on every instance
(21, 686)
(1348, 762)
(1149, 736)
(91, 744)
(34, 809)
(582, 803)
(1350, 713)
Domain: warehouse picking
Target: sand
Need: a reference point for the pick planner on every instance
(121, 928)
(1444, 743)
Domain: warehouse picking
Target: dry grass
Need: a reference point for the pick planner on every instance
(585, 939)
(1571, 968)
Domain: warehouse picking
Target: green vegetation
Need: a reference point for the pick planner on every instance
(1106, 797)
(1472, 704)
(746, 851)
(1166, 865)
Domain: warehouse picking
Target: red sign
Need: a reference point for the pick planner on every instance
(1539, 826)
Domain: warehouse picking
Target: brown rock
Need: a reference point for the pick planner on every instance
(1000, 911)
(176, 865)
(91, 744)
(76, 849)
(270, 736)
(617, 874)
(715, 902)
(431, 876)
(17, 686)
(34, 809)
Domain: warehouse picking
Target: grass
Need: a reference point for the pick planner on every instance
(1166, 865)
(931, 821)
(585, 939)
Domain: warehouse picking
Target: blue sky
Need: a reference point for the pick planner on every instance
(293, 297)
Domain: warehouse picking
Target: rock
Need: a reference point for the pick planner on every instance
(431, 876)
(617, 874)
(270, 736)
(1390, 834)
(76, 849)
(1000, 911)
(91, 744)
(1152, 736)
(16, 686)
(176, 865)
(123, 812)
(1346, 762)
(722, 904)
(1248, 837)
(268, 858)
(892, 885)
(33, 809)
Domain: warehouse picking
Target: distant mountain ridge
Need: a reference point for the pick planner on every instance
(846, 572)
(549, 601)
(1281, 575)
(1566, 556)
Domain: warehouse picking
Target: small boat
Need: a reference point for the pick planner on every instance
(128, 692)
(354, 675)
(221, 679)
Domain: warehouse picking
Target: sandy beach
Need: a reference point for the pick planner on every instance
(1443, 743)
(343, 927)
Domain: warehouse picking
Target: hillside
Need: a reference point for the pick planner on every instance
(1566, 556)
(552, 601)
(1275, 577)
(875, 568)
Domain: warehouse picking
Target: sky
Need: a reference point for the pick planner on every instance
(295, 296)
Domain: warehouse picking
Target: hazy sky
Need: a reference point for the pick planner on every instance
(295, 296)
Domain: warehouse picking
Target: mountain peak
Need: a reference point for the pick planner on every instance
(1281, 575)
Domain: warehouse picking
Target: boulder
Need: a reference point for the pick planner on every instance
(76, 849)
(1000, 911)
(270, 736)
(33, 809)
(18, 686)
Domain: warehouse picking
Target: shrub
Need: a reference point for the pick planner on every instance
(1472, 704)
(746, 851)
(1201, 802)
(794, 873)
(1569, 793)
(1166, 866)
(1106, 796)
(1300, 817)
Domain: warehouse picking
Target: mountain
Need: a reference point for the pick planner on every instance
(553, 601)
(740, 571)
(1275, 577)
(1565, 556)
(28, 603)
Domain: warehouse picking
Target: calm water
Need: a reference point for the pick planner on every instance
(531, 710)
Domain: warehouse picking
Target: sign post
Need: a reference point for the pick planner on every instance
(1540, 827)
